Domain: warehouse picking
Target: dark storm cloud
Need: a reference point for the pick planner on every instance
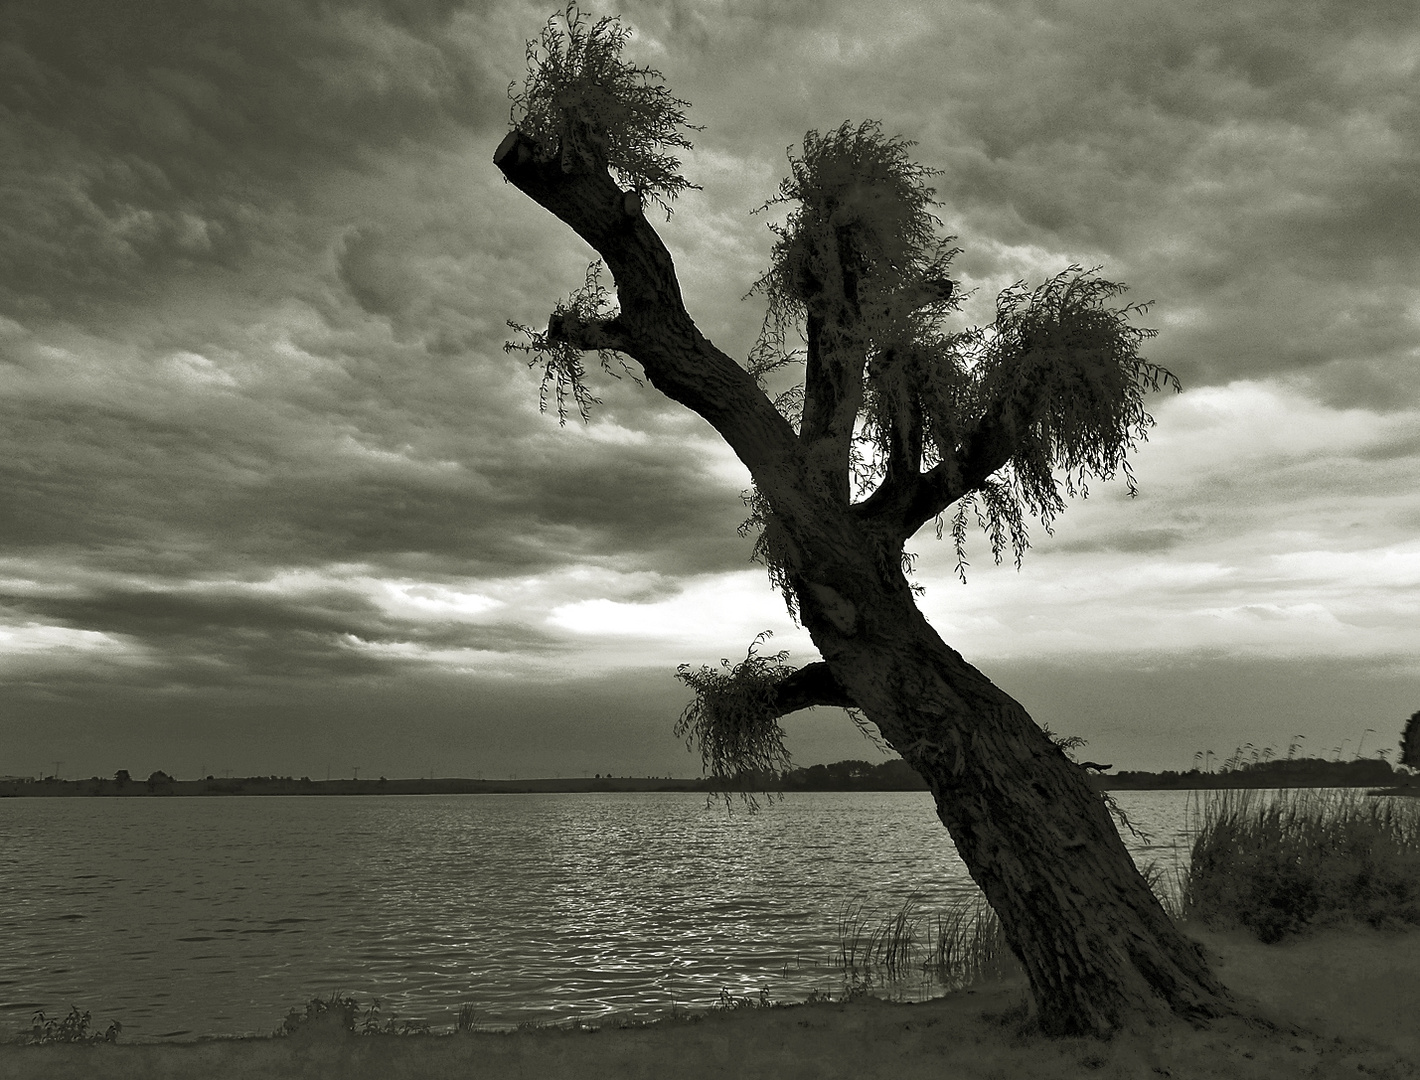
(1135, 542)
(1254, 167)
(227, 634)
(227, 491)
(155, 140)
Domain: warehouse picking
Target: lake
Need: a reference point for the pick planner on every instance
(186, 917)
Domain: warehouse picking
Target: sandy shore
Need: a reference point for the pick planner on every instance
(1343, 1003)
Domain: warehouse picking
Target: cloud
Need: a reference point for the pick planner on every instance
(1267, 525)
(1251, 168)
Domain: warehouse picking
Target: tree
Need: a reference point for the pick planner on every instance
(896, 422)
(1410, 742)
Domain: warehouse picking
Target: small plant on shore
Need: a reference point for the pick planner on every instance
(371, 1024)
(728, 1002)
(346, 1008)
(860, 986)
(74, 1028)
(1303, 858)
(346, 1011)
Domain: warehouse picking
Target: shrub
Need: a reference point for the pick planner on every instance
(1304, 857)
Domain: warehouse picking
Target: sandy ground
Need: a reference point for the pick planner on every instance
(1342, 1003)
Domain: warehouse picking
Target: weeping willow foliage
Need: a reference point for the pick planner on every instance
(562, 369)
(1058, 372)
(732, 718)
(771, 547)
(580, 94)
(862, 233)
(734, 722)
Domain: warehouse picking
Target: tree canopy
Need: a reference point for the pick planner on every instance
(898, 415)
(902, 416)
(580, 96)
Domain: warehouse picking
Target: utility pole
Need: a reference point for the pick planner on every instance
(57, 765)
(357, 771)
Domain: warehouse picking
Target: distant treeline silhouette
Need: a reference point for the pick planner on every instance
(851, 775)
(1286, 772)
(895, 775)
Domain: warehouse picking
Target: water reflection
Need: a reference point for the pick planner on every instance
(217, 915)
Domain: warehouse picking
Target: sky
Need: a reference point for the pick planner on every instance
(275, 500)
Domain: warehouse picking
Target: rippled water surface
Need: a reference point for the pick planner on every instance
(200, 916)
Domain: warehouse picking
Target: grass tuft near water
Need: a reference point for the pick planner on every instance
(960, 947)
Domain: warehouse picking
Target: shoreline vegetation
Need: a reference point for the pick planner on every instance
(894, 775)
(1307, 903)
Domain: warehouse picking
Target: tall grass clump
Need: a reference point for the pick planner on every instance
(969, 946)
(1279, 863)
(960, 947)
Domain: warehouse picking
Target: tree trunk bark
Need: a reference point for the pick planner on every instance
(1098, 948)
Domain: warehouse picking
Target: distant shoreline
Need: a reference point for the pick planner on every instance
(1396, 784)
(110, 788)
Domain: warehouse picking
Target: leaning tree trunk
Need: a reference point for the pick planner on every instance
(1098, 948)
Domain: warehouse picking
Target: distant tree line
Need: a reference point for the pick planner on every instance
(1288, 772)
(894, 775)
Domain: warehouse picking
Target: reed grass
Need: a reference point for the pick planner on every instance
(957, 948)
(1280, 863)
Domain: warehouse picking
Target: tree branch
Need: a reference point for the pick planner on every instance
(904, 502)
(809, 686)
(653, 325)
(833, 376)
(818, 386)
(832, 391)
(905, 428)
(604, 334)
